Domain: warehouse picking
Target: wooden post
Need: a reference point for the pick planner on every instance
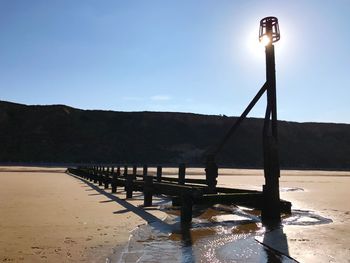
(114, 181)
(129, 185)
(182, 173)
(134, 172)
(92, 173)
(186, 208)
(118, 174)
(91, 170)
(271, 207)
(159, 173)
(88, 173)
(106, 178)
(83, 173)
(100, 177)
(211, 173)
(134, 169)
(144, 173)
(125, 175)
(148, 191)
(95, 174)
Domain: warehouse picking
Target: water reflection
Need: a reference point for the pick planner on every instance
(187, 244)
(217, 234)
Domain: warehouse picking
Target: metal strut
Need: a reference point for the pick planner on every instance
(211, 169)
(239, 120)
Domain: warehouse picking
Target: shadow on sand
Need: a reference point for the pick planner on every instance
(153, 221)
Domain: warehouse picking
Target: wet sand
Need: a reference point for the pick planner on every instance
(321, 192)
(317, 231)
(49, 216)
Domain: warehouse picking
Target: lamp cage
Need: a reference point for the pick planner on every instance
(269, 27)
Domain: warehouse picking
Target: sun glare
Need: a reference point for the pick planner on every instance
(265, 40)
(255, 49)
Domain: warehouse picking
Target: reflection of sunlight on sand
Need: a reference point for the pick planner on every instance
(300, 217)
(218, 234)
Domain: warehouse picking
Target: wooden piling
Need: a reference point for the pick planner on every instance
(91, 174)
(144, 172)
(83, 173)
(159, 173)
(118, 175)
(134, 171)
(129, 185)
(182, 173)
(106, 178)
(88, 173)
(186, 208)
(125, 175)
(114, 181)
(100, 177)
(95, 174)
(211, 173)
(148, 191)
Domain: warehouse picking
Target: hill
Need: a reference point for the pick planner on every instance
(58, 134)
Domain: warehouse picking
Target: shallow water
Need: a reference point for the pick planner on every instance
(217, 234)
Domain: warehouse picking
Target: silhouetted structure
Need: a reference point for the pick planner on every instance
(184, 192)
(268, 33)
(269, 28)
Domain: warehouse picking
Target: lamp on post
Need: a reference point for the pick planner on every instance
(268, 34)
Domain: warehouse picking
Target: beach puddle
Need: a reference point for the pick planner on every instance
(217, 234)
(305, 218)
(291, 189)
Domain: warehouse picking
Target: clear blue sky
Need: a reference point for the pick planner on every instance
(186, 55)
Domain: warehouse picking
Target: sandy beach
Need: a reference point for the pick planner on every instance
(50, 216)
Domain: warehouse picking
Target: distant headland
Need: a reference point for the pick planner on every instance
(62, 134)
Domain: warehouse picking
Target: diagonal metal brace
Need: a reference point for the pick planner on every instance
(239, 120)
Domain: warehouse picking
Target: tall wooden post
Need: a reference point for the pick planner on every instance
(271, 206)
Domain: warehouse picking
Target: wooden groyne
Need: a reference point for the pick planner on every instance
(184, 192)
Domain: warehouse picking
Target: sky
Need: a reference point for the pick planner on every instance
(200, 56)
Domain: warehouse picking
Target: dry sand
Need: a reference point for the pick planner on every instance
(49, 216)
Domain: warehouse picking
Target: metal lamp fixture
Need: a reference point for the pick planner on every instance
(269, 29)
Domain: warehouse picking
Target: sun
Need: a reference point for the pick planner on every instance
(255, 48)
(265, 40)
